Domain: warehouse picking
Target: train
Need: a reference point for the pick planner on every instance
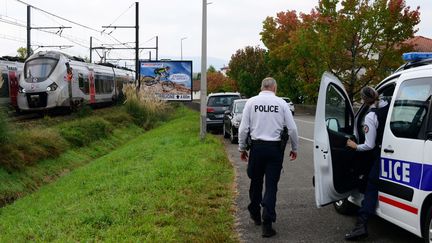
(53, 79)
(11, 69)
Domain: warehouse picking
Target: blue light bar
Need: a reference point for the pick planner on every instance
(416, 56)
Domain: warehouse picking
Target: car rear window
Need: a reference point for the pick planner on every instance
(219, 101)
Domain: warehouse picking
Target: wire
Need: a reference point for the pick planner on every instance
(55, 15)
(119, 17)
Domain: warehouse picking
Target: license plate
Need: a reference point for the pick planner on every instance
(219, 116)
(34, 97)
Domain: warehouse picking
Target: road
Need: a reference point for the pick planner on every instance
(298, 219)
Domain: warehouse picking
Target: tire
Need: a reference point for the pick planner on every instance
(232, 138)
(225, 134)
(345, 207)
(427, 227)
(167, 86)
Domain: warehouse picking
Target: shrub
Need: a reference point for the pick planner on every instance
(30, 146)
(145, 107)
(4, 128)
(82, 132)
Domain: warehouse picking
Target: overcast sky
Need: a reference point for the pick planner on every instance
(232, 25)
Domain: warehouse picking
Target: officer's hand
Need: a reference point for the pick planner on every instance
(350, 143)
(293, 155)
(244, 156)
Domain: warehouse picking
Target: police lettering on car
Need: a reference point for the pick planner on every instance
(265, 118)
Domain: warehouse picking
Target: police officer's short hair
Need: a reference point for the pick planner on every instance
(369, 95)
(268, 83)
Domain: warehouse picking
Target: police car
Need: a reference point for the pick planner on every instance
(405, 182)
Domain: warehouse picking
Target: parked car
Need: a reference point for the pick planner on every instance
(232, 119)
(290, 104)
(217, 104)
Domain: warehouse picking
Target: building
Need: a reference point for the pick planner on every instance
(420, 43)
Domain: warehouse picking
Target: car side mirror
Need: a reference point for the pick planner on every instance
(333, 124)
(227, 112)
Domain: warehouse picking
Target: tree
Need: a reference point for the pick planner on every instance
(360, 43)
(22, 52)
(248, 68)
(211, 69)
(217, 82)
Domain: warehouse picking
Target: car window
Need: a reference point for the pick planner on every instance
(335, 110)
(410, 108)
(219, 101)
(239, 107)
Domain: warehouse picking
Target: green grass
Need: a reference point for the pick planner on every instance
(163, 186)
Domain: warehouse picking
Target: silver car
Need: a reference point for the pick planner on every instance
(290, 104)
(232, 119)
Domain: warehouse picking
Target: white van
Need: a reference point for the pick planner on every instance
(405, 183)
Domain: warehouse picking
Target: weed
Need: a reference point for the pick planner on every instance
(4, 128)
(84, 131)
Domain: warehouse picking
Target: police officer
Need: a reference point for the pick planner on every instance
(264, 117)
(373, 129)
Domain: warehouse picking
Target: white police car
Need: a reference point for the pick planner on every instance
(405, 183)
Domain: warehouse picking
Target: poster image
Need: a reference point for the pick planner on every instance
(169, 80)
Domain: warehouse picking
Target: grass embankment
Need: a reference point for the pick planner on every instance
(40, 151)
(164, 185)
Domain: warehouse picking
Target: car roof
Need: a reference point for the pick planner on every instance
(410, 68)
(224, 93)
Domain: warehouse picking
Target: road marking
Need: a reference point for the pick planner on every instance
(309, 122)
(307, 139)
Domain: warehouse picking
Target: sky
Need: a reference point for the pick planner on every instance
(231, 25)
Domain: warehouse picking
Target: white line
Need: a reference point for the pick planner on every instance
(307, 139)
(304, 121)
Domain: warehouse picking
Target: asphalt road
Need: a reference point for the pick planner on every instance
(298, 218)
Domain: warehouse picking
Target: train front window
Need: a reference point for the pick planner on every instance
(39, 69)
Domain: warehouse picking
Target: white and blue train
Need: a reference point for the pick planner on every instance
(53, 79)
(10, 71)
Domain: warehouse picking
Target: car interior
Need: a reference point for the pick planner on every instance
(350, 168)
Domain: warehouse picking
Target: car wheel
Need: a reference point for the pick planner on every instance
(232, 138)
(345, 207)
(427, 226)
(225, 134)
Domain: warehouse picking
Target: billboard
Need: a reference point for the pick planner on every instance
(169, 80)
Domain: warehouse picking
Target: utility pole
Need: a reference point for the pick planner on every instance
(28, 31)
(137, 67)
(157, 47)
(29, 28)
(203, 103)
(91, 45)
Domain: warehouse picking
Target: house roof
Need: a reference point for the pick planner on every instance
(196, 86)
(420, 44)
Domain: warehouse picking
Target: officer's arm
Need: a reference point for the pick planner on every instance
(292, 128)
(244, 127)
(370, 129)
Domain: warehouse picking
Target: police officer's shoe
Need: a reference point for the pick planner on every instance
(256, 219)
(359, 232)
(267, 230)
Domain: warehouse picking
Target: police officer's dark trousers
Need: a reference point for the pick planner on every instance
(371, 194)
(265, 159)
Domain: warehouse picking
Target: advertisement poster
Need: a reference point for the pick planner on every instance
(170, 80)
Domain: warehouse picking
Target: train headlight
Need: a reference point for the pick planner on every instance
(52, 87)
(21, 89)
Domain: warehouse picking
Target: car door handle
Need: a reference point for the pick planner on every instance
(386, 150)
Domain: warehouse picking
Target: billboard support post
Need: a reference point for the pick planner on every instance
(203, 104)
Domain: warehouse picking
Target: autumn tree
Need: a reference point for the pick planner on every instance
(248, 68)
(217, 82)
(359, 41)
(276, 35)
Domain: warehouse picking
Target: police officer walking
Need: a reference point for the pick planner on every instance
(373, 130)
(264, 119)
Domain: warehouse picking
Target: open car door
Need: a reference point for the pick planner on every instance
(334, 164)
